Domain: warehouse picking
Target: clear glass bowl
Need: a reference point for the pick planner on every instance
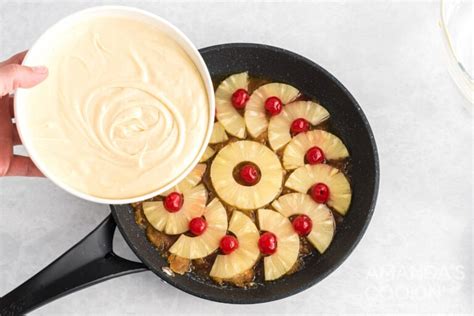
(457, 25)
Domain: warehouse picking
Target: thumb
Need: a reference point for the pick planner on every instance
(15, 76)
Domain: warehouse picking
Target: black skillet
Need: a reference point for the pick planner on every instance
(92, 259)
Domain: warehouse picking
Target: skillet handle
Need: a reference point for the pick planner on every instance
(90, 261)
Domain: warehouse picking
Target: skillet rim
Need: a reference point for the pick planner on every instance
(311, 281)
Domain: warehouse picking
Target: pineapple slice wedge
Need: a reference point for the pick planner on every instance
(226, 267)
(176, 223)
(279, 125)
(226, 114)
(208, 153)
(218, 134)
(288, 244)
(303, 178)
(255, 115)
(321, 216)
(191, 180)
(236, 194)
(201, 246)
(332, 147)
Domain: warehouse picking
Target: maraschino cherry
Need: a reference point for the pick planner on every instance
(240, 98)
(314, 155)
(249, 174)
(300, 125)
(273, 105)
(302, 225)
(320, 192)
(228, 244)
(267, 243)
(173, 202)
(197, 226)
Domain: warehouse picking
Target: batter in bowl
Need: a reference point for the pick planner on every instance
(122, 112)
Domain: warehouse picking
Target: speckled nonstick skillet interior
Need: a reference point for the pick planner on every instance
(347, 121)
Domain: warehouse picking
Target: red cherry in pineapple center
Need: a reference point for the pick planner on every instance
(300, 125)
(314, 155)
(267, 243)
(273, 106)
(173, 202)
(240, 98)
(197, 226)
(249, 174)
(320, 192)
(228, 244)
(302, 225)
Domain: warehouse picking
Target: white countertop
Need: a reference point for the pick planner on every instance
(416, 255)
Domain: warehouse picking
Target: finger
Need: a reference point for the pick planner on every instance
(15, 59)
(23, 166)
(9, 102)
(11, 106)
(6, 142)
(16, 140)
(14, 76)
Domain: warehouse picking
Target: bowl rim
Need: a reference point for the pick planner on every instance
(461, 77)
(183, 41)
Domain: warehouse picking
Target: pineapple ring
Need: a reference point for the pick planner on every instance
(226, 114)
(218, 134)
(208, 153)
(279, 126)
(255, 115)
(206, 243)
(176, 223)
(288, 244)
(331, 145)
(236, 194)
(340, 193)
(191, 180)
(321, 216)
(226, 267)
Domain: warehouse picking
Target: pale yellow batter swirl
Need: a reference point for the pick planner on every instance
(123, 112)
